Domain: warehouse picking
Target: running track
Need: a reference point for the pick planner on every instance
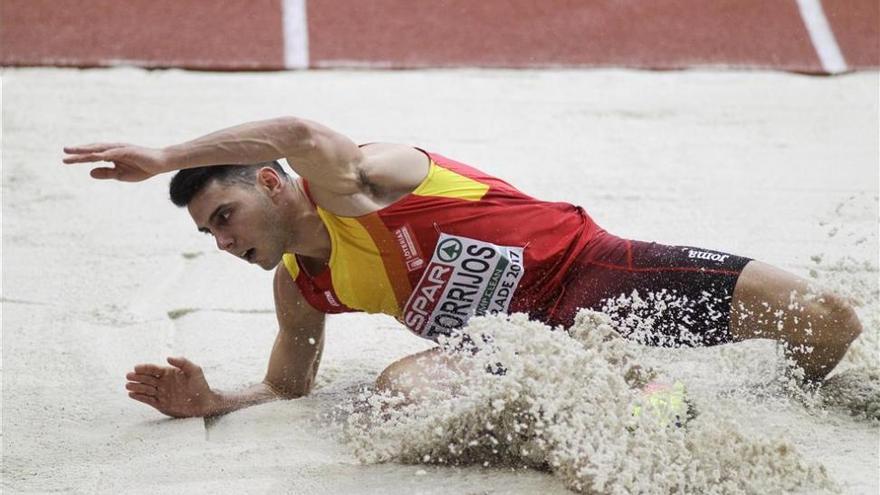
(812, 36)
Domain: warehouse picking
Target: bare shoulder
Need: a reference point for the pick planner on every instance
(386, 173)
(350, 177)
(393, 169)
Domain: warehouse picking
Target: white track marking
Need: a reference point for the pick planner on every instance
(822, 36)
(296, 34)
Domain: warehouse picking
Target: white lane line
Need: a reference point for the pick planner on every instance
(822, 37)
(296, 34)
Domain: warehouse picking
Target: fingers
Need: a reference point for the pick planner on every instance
(102, 155)
(147, 379)
(141, 389)
(86, 158)
(149, 369)
(104, 173)
(146, 399)
(92, 148)
(185, 365)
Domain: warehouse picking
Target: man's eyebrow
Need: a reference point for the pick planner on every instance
(212, 216)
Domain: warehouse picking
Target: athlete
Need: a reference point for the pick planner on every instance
(388, 228)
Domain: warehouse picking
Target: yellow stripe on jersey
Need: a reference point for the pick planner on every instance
(289, 260)
(356, 268)
(444, 183)
(389, 250)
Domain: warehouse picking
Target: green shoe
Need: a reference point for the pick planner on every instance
(668, 404)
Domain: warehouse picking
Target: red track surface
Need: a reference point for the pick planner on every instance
(232, 34)
(856, 24)
(656, 33)
(248, 34)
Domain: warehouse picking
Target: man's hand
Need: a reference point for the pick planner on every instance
(130, 163)
(179, 390)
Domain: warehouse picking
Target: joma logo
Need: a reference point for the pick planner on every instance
(705, 255)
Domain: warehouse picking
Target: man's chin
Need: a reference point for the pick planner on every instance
(267, 265)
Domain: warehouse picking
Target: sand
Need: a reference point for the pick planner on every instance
(100, 276)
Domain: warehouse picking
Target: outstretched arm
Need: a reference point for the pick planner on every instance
(296, 354)
(321, 155)
(182, 391)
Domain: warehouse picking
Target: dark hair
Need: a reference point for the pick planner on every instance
(188, 182)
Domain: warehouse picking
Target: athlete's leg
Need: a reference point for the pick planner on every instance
(817, 328)
(744, 299)
(413, 375)
(655, 294)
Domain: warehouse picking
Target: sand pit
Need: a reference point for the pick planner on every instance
(100, 276)
(564, 403)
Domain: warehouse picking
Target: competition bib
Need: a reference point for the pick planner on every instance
(465, 277)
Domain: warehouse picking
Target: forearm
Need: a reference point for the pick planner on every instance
(224, 402)
(252, 142)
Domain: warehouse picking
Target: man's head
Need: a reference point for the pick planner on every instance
(186, 184)
(240, 205)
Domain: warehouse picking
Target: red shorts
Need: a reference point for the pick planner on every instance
(655, 294)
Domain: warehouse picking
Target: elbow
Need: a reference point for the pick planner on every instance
(299, 134)
(292, 395)
(288, 392)
(296, 393)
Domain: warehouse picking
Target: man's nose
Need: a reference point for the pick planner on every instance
(224, 242)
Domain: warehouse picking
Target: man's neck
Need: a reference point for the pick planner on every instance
(308, 234)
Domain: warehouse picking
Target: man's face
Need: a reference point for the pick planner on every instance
(243, 220)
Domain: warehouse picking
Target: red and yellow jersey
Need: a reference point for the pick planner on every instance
(463, 243)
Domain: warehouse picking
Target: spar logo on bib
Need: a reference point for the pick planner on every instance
(466, 277)
(448, 250)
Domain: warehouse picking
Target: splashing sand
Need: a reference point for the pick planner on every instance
(565, 404)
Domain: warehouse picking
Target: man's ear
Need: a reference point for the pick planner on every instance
(268, 178)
